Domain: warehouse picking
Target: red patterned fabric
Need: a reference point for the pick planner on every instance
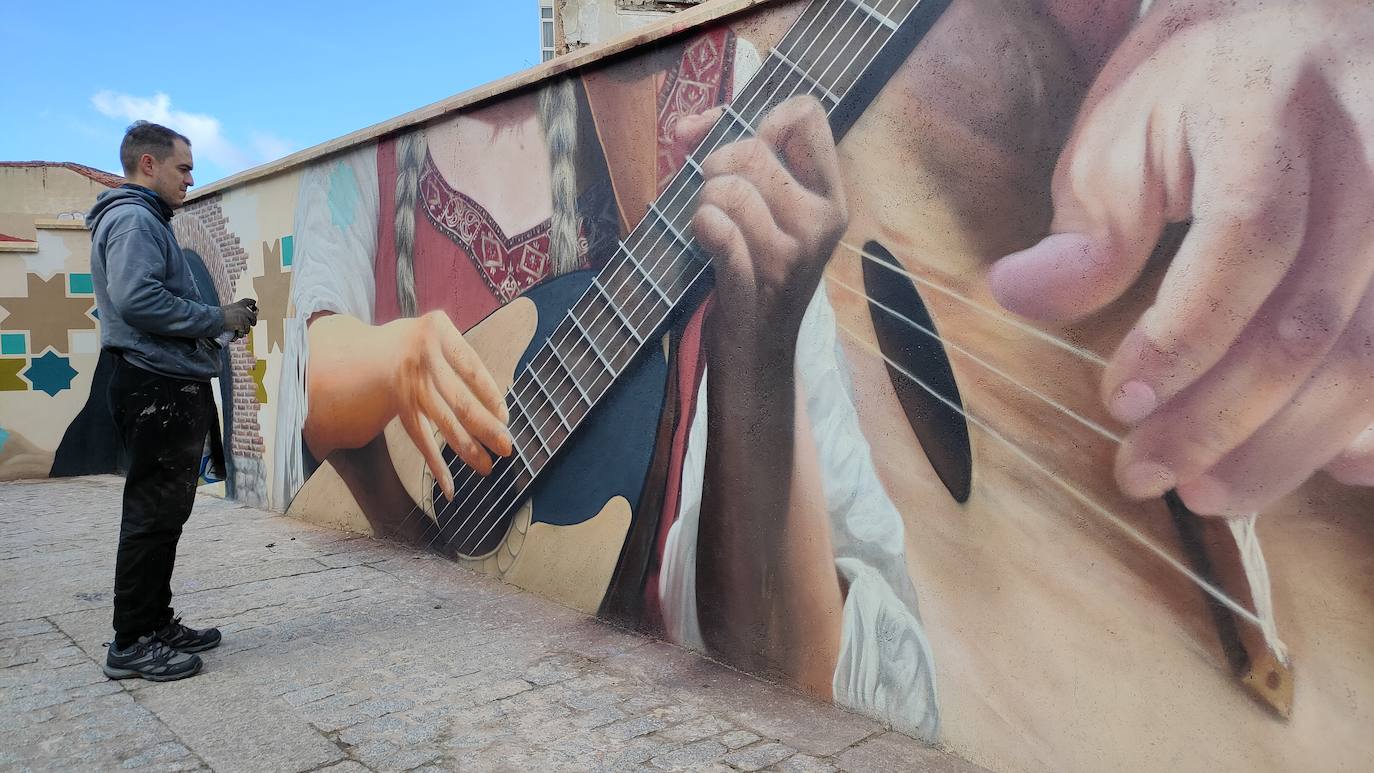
(509, 265)
(702, 79)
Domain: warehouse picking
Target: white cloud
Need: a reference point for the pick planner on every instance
(205, 131)
(270, 147)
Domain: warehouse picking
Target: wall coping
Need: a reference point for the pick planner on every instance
(672, 25)
(54, 224)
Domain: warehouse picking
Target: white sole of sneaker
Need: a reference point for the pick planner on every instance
(129, 673)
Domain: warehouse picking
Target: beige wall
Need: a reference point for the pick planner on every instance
(42, 192)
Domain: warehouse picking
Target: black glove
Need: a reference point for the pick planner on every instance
(240, 316)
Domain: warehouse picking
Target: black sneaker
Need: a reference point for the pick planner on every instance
(150, 659)
(185, 639)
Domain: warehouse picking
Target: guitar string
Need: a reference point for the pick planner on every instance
(996, 315)
(748, 106)
(1064, 409)
(758, 109)
(1222, 597)
(1068, 486)
(1242, 528)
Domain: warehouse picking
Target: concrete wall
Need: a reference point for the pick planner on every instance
(938, 516)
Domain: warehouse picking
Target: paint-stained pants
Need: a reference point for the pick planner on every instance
(163, 423)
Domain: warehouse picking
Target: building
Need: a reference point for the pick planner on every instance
(567, 25)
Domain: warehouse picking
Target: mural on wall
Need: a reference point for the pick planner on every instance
(1023, 404)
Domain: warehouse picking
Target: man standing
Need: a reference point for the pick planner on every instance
(155, 320)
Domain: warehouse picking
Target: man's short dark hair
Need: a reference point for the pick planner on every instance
(147, 137)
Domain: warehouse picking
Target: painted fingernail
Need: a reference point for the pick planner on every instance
(1146, 479)
(1133, 401)
(1206, 495)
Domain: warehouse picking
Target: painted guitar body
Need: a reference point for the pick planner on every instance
(566, 538)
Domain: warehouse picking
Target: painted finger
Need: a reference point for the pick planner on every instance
(437, 411)
(1250, 217)
(692, 129)
(469, 366)
(1293, 333)
(799, 131)
(721, 238)
(423, 437)
(1326, 417)
(1110, 204)
(767, 247)
(475, 418)
(801, 213)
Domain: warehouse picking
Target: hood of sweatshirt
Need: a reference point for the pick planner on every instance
(128, 194)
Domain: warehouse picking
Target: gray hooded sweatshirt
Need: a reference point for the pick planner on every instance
(152, 313)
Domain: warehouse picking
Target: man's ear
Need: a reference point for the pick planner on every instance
(146, 163)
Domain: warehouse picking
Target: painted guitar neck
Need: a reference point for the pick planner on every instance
(841, 52)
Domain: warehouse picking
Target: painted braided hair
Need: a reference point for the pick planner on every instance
(558, 118)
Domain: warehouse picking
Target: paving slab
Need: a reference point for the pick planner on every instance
(348, 654)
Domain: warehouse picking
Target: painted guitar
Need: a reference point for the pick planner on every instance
(554, 516)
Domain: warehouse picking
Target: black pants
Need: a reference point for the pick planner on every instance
(163, 423)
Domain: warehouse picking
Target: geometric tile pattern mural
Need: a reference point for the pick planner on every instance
(273, 289)
(9, 375)
(47, 313)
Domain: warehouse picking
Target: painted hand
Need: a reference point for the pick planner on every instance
(1255, 365)
(439, 382)
(770, 213)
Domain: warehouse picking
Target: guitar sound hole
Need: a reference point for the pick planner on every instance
(908, 338)
(478, 519)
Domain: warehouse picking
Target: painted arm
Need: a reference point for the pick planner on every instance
(771, 211)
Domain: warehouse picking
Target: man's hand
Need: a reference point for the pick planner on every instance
(770, 214)
(438, 380)
(240, 316)
(1255, 365)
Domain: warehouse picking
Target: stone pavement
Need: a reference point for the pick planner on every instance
(344, 653)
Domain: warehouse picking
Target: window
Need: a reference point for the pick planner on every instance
(546, 32)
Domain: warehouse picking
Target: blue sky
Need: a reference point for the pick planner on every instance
(248, 81)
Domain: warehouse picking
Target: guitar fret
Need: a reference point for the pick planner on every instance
(520, 456)
(549, 397)
(806, 77)
(591, 343)
(878, 16)
(529, 418)
(567, 369)
(672, 227)
(630, 328)
(645, 273)
(737, 118)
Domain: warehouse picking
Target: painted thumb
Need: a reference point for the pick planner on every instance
(1063, 278)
